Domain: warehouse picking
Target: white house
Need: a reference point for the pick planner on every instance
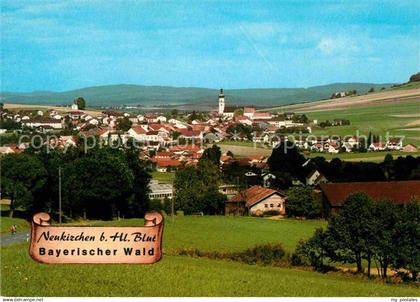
(137, 132)
(314, 178)
(256, 201)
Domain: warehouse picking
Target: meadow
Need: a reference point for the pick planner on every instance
(397, 119)
(163, 176)
(187, 276)
(6, 223)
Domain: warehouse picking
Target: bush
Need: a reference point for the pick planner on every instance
(262, 254)
(265, 254)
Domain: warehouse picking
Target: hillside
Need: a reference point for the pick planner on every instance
(147, 96)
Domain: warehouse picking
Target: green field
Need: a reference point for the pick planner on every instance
(224, 234)
(163, 176)
(368, 156)
(186, 276)
(178, 276)
(6, 223)
(393, 118)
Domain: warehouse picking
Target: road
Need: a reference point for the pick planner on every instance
(12, 239)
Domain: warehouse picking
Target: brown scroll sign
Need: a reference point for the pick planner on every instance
(78, 244)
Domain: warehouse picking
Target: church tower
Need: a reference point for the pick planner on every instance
(221, 102)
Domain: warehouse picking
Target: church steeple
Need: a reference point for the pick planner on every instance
(221, 102)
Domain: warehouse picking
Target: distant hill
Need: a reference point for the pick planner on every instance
(114, 95)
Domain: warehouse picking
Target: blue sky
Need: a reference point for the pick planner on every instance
(54, 45)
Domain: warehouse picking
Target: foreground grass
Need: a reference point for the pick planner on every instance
(178, 276)
(6, 223)
(228, 234)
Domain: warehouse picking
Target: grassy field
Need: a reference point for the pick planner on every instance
(395, 119)
(368, 156)
(185, 276)
(163, 176)
(6, 223)
(221, 233)
(178, 276)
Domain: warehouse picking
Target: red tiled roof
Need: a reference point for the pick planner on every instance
(167, 162)
(253, 195)
(163, 154)
(261, 114)
(399, 192)
(138, 129)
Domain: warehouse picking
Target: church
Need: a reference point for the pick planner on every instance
(227, 112)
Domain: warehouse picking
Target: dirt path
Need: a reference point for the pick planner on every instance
(10, 239)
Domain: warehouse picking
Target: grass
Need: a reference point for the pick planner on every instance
(223, 234)
(178, 276)
(163, 176)
(238, 143)
(380, 119)
(368, 156)
(6, 223)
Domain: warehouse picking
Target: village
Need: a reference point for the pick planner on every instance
(169, 141)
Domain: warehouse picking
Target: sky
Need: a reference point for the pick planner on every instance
(63, 45)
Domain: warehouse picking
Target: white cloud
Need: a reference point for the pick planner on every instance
(340, 45)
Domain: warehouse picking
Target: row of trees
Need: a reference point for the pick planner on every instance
(100, 183)
(377, 233)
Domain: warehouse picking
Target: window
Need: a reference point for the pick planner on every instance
(279, 205)
(271, 205)
(266, 205)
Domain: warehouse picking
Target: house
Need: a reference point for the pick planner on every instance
(268, 179)
(261, 116)
(229, 112)
(377, 146)
(249, 112)
(160, 191)
(137, 132)
(229, 190)
(315, 178)
(394, 143)
(410, 148)
(7, 150)
(166, 164)
(399, 192)
(256, 201)
(44, 122)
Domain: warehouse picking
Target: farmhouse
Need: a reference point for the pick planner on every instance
(256, 201)
(399, 192)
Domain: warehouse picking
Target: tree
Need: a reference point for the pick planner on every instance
(23, 178)
(81, 103)
(286, 163)
(372, 89)
(197, 189)
(137, 205)
(314, 251)
(301, 202)
(100, 183)
(407, 239)
(352, 228)
(212, 154)
(124, 124)
(382, 246)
